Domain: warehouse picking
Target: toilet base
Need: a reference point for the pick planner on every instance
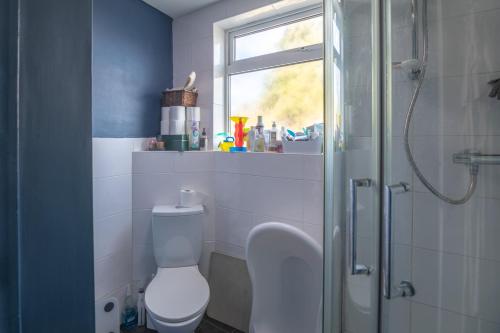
(181, 327)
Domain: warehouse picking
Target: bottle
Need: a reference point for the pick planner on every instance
(204, 140)
(141, 309)
(273, 138)
(129, 314)
(259, 144)
(194, 138)
(251, 138)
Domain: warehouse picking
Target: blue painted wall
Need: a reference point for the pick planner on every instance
(55, 167)
(132, 64)
(8, 168)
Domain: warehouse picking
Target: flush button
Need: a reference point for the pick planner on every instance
(109, 306)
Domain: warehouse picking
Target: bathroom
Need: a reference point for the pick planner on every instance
(377, 203)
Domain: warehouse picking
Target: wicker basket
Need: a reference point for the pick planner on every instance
(179, 98)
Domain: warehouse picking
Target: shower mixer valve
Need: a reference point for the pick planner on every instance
(474, 158)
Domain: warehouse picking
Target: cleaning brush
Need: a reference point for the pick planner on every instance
(495, 91)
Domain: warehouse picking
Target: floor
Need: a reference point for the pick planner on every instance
(208, 325)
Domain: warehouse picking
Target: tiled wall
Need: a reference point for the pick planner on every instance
(450, 253)
(242, 191)
(255, 188)
(112, 184)
(157, 179)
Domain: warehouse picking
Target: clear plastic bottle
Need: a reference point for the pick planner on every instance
(129, 314)
(273, 138)
(259, 144)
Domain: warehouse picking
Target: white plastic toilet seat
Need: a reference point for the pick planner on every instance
(177, 294)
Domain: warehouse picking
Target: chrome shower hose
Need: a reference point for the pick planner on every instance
(421, 76)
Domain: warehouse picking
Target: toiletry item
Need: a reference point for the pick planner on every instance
(193, 131)
(204, 140)
(273, 137)
(259, 144)
(152, 144)
(141, 308)
(160, 145)
(129, 313)
(239, 124)
(251, 138)
(193, 116)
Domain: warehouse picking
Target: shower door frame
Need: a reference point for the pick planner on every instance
(334, 205)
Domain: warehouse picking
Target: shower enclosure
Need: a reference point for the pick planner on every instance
(412, 166)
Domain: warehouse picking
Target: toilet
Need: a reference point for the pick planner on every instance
(177, 297)
(286, 271)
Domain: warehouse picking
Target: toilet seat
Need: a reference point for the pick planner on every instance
(177, 294)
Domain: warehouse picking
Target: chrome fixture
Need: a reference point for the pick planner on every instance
(356, 269)
(411, 108)
(495, 90)
(405, 288)
(474, 159)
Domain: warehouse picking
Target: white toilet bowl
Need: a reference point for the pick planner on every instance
(286, 271)
(176, 299)
(178, 296)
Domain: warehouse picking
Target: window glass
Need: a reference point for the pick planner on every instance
(290, 95)
(281, 38)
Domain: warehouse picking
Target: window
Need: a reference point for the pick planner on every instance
(275, 69)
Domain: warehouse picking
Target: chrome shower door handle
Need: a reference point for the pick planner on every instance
(389, 190)
(356, 269)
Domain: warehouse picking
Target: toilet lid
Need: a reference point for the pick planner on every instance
(177, 294)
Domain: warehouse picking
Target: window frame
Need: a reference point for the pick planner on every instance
(289, 57)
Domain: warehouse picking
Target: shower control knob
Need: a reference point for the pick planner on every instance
(406, 289)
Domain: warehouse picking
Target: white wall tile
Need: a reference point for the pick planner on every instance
(230, 250)
(144, 264)
(112, 195)
(456, 283)
(427, 319)
(204, 264)
(313, 202)
(315, 231)
(112, 272)
(111, 157)
(153, 162)
(113, 234)
(142, 228)
(313, 167)
(272, 165)
(194, 162)
(233, 226)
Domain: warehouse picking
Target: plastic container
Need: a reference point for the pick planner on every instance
(176, 142)
(303, 147)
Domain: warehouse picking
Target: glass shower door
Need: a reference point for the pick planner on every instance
(440, 249)
(352, 177)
